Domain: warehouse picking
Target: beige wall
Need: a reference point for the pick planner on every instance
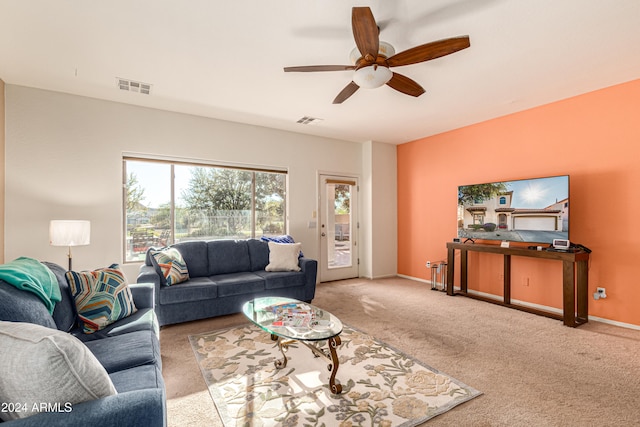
(378, 228)
(64, 155)
(2, 171)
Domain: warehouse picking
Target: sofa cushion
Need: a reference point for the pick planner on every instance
(172, 265)
(17, 305)
(144, 319)
(102, 297)
(228, 256)
(282, 279)
(238, 284)
(196, 289)
(64, 314)
(258, 254)
(44, 365)
(283, 256)
(127, 351)
(138, 378)
(195, 256)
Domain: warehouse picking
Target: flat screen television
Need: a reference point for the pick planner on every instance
(527, 210)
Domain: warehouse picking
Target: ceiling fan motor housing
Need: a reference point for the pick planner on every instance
(384, 49)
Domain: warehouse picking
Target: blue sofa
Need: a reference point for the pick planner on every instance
(223, 275)
(128, 349)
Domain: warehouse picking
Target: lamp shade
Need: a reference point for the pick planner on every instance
(372, 76)
(69, 233)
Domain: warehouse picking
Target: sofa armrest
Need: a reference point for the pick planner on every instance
(143, 294)
(148, 274)
(308, 264)
(129, 409)
(310, 269)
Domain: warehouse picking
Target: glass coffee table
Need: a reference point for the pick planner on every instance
(289, 320)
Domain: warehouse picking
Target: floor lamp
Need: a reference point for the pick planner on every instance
(69, 233)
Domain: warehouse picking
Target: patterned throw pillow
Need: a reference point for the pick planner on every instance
(172, 265)
(101, 296)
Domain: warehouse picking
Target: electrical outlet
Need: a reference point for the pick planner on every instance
(600, 293)
(428, 264)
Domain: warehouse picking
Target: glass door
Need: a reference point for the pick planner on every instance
(338, 228)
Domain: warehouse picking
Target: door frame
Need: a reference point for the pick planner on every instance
(355, 238)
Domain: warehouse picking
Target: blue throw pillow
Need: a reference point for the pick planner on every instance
(285, 238)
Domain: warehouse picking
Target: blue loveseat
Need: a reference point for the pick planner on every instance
(223, 275)
(128, 349)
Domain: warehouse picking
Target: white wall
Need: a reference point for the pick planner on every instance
(2, 174)
(64, 161)
(378, 227)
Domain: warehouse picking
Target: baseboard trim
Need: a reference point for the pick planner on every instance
(417, 279)
(532, 305)
(384, 276)
(615, 323)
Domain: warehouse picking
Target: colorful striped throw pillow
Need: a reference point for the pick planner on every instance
(172, 265)
(102, 297)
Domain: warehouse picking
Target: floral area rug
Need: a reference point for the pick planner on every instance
(381, 385)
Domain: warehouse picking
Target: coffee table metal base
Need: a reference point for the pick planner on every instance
(330, 356)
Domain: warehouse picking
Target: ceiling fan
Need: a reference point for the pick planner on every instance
(372, 58)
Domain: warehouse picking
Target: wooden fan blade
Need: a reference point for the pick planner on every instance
(311, 68)
(429, 51)
(405, 85)
(349, 90)
(365, 33)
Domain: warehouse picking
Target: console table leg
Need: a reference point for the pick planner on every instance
(582, 291)
(568, 294)
(451, 262)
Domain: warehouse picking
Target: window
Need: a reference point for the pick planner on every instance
(503, 200)
(169, 202)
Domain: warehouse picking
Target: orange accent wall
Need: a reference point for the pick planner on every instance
(594, 138)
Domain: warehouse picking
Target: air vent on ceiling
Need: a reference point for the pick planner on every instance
(307, 120)
(133, 86)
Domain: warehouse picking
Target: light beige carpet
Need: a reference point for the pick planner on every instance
(533, 371)
(381, 385)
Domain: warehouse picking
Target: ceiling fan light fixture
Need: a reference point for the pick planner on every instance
(372, 76)
(372, 69)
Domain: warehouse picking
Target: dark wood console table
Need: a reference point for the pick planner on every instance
(575, 278)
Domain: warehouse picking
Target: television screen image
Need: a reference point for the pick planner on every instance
(528, 210)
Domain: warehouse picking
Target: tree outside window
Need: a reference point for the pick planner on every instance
(208, 203)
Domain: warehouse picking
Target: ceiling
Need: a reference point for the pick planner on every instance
(225, 59)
